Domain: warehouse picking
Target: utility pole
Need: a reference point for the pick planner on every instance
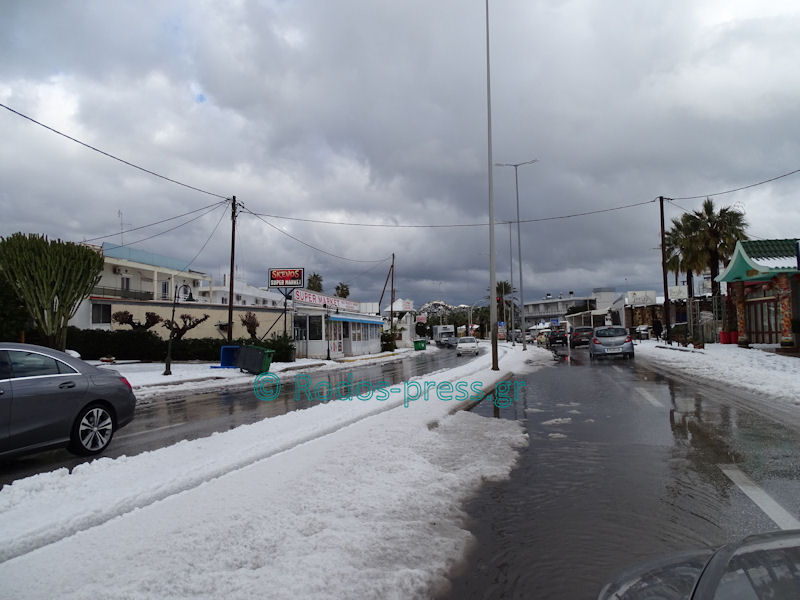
(663, 273)
(230, 275)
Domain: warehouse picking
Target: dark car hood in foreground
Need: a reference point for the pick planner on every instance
(760, 567)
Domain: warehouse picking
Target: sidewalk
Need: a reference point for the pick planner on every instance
(149, 383)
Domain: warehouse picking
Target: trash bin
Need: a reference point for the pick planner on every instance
(228, 356)
(420, 344)
(254, 359)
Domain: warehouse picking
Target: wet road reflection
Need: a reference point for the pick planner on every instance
(170, 420)
(623, 465)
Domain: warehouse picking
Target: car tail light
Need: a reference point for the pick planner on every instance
(595, 341)
(627, 339)
(126, 382)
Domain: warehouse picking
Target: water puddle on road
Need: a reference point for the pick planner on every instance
(607, 481)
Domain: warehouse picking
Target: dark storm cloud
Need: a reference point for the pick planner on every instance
(376, 112)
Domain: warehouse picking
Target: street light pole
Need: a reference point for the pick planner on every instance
(511, 291)
(492, 278)
(519, 244)
(168, 361)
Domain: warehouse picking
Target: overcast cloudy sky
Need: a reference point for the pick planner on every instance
(374, 111)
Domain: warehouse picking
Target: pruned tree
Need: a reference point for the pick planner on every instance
(315, 282)
(51, 278)
(250, 323)
(188, 322)
(342, 290)
(123, 317)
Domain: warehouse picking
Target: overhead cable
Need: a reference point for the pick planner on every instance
(109, 155)
(260, 218)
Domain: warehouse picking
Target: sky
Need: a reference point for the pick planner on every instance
(376, 112)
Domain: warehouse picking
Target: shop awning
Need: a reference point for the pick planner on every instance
(356, 319)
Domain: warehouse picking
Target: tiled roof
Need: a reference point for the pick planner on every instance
(770, 248)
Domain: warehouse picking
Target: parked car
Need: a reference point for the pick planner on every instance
(450, 341)
(764, 565)
(467, 345)
(49, 398)
(611, 340)
(580, 336)
(557, 337)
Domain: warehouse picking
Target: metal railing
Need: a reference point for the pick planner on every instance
(121, 293)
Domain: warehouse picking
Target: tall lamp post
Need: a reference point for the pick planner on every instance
(519, 244)
(492, 276)
(189, 298)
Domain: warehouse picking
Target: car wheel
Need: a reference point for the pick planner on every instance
(92, 430)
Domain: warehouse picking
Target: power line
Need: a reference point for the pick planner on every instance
(203, 247)
(259, 217)
(739, 189)
(109, 155)
(215, 206)
(101, 237)
(453, 225)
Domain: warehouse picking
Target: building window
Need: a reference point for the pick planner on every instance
(315, 327)
(101, 313)
(224, 300)
(125, 283)
(355, 332)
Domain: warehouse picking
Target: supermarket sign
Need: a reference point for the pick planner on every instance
(287, 278)
(331, 302)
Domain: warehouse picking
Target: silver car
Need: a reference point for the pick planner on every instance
(610, 340)
(49, 398)
(467, 345)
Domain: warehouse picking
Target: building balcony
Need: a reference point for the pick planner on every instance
(120, 293)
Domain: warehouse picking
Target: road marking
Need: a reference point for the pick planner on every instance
(764, 501)
(649, 397)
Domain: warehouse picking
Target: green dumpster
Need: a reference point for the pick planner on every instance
(254, 359)
(420, 344)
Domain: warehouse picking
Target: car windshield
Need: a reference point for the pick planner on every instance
(611, 332)
(466, 340)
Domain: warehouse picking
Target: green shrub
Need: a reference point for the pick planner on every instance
(282, 345)
(388, 343)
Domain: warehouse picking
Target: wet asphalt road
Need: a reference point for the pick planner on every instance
(624, 464)
(169, 420)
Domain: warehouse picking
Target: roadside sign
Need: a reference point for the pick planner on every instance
(554, 322)
(287, 278)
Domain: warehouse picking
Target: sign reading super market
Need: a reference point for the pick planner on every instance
(294, 277)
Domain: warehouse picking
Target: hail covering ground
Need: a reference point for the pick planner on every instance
(363, 498)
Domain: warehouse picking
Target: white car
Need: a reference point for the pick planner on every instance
(467, 345)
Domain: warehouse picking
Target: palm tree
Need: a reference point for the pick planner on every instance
(716, 235)
(683, 250)
(503, 289)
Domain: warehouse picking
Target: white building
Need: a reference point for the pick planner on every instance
(133, 274)
(244, 294)
(333, 327)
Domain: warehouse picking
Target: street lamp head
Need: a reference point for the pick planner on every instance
(527, 162)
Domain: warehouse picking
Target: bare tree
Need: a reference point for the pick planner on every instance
(250, 323)
(123, 317)
(187, 322)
